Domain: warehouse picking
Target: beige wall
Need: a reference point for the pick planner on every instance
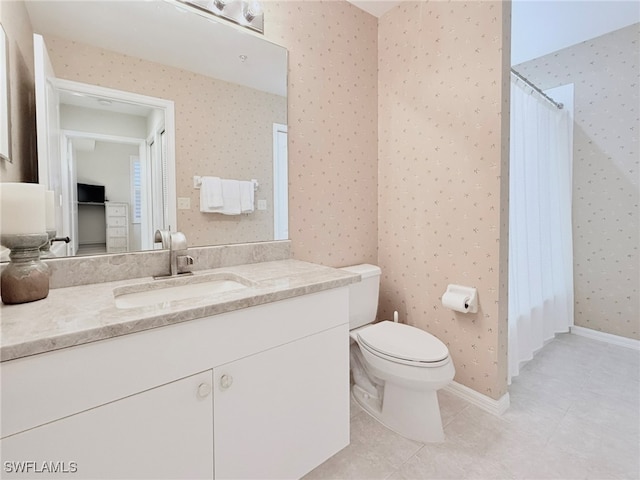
(441, 155)
(605, 72)
(17, 26)
(332, 128)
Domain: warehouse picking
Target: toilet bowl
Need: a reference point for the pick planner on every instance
(397, 369)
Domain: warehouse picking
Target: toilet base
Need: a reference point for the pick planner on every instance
(412, 414)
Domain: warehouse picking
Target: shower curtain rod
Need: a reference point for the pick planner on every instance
(521, 77)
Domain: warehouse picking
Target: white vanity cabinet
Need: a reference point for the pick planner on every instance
(164, 432)
(261, 392)
(273, 409)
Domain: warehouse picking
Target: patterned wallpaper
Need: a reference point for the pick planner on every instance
(17, 26)
(208, 140)
(332, 128)
(443, 89)
(606, 75)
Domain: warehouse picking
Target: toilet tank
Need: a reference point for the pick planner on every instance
(363, 296)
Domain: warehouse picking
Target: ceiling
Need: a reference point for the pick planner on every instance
(377, 8)
(96, 102)
(540, 27)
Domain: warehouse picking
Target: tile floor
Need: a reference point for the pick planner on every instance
(574, 415)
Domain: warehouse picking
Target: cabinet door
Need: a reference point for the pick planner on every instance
(165, 432)
(280, 413)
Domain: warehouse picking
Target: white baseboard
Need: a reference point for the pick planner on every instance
(488, 404)
(606, 337)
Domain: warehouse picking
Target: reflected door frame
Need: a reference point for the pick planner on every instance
(69, 199)
(166, 106)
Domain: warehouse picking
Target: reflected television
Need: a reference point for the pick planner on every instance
(90, 193)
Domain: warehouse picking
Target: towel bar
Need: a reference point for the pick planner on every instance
(197, 181)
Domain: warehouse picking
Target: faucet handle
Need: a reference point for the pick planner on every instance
(178, 241)
(163, 236)
(183, 262)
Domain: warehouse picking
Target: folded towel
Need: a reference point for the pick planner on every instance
(247, 192)
(210, 194)
(230, 198)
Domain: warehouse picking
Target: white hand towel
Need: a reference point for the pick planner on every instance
(247, 191)
(210, 194)
(230, 198)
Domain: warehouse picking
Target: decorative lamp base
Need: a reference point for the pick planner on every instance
(26, 278)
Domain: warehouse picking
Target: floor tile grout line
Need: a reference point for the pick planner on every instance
(456, 415)
(399, 467)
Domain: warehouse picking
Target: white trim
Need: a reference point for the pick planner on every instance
(5, 111)
(111, 93)
(488, 404)
(45, 93)
(606, 337)
(102, 137)
(280, 184)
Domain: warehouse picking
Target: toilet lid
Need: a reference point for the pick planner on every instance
(403, 342)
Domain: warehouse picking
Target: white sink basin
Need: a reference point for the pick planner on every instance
(181, 288)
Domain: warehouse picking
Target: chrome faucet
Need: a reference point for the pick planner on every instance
(176, 243)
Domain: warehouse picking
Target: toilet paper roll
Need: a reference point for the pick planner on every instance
(461, 299)
(456, 301)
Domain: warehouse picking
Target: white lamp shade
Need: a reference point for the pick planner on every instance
(50, 210)
(22, 208)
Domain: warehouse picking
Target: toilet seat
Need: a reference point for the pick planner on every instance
(404, 344)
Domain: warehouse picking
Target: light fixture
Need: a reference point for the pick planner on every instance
(248, 13)
(251, 10)
(219, 4)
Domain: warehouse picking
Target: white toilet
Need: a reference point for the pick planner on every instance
(397, 369)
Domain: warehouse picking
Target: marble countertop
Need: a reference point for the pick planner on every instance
(77, 315)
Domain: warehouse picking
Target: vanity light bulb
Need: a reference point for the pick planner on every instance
(251, 10)
(220, 4)
(256, 7)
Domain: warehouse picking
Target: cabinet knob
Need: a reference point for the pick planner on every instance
(226, 381)
(204, 389)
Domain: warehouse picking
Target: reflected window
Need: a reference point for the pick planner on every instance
(136, 190)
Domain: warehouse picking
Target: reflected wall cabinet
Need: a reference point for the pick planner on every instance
(117, 224)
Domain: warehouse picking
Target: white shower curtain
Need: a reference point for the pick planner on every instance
(540, 238)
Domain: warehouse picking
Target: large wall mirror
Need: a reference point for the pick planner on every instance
(134, 100)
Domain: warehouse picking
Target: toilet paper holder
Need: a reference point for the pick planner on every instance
(461, 299)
